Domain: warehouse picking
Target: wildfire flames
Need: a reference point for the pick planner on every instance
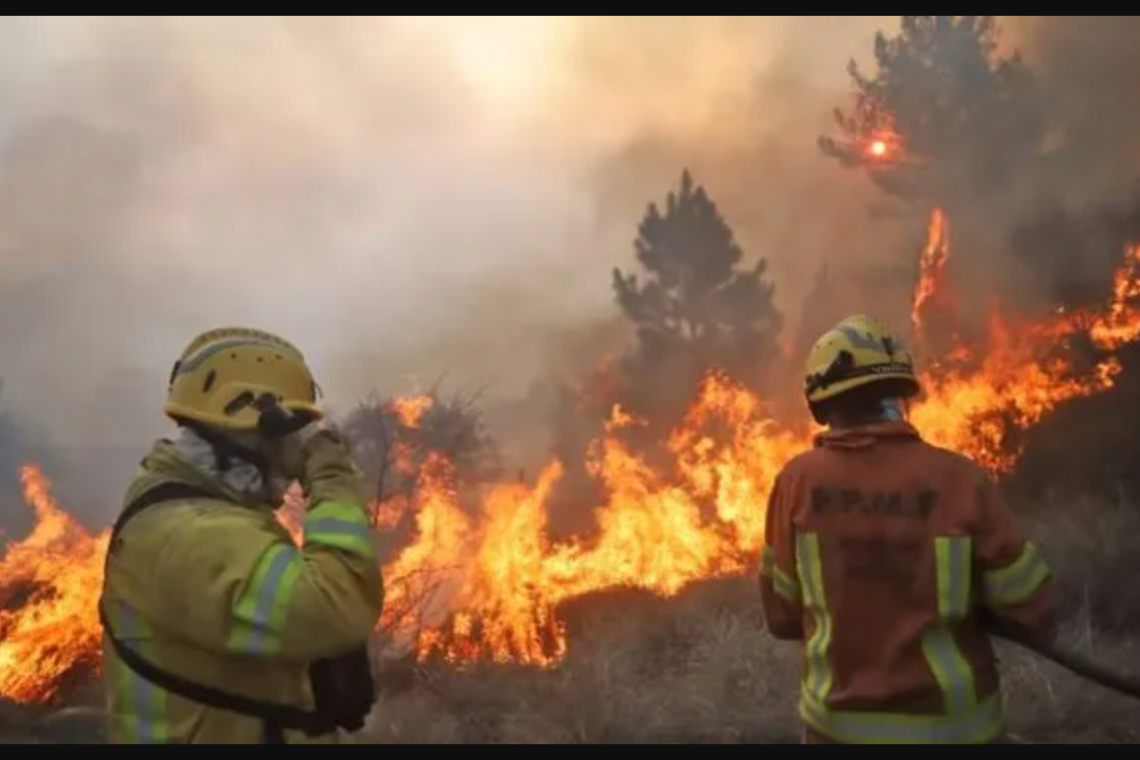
(49, 586)
(488, 585)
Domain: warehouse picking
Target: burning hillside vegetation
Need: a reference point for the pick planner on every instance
(488, 586)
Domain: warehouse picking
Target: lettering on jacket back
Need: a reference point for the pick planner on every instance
(913, 505)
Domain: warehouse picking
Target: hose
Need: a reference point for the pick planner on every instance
(1072, 661)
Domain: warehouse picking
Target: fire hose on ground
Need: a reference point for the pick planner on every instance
(1074, 662)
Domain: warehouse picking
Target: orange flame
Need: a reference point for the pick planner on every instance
(931, 270)
(49, 588)
(488, 583)
(410, 411)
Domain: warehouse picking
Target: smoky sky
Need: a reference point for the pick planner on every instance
(1090, 72)
(404, 196)
(398, 195)
(408, 196)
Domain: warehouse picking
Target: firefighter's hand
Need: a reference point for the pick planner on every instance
(326, 469)
(319, 447)
(289, 453)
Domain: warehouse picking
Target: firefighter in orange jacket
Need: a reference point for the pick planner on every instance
(885, 555)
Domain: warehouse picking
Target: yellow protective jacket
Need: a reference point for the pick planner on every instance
(213, 590)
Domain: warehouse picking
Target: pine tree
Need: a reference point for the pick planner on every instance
(944, 113)
(695, 304)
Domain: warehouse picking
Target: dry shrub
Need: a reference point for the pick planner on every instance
(701, 669)
(1094, 548)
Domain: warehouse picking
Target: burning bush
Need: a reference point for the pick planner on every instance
(394, 438)
(691, 442)
(700, 668)
(485, 583)
(51, 584)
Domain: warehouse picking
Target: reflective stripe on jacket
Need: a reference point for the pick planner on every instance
(880, 551)
(216, 592)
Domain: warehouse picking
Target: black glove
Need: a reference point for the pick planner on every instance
(276, 423)
(343, 689)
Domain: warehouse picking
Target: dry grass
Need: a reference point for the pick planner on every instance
(697, 669)
(701, 669)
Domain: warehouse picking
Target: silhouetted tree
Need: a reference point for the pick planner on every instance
(391, 454)
(695, 304)
(946, 118)
(943, 114)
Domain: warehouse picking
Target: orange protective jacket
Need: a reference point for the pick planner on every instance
(881, 552)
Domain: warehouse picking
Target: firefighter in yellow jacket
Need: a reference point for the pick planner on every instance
(218, 629)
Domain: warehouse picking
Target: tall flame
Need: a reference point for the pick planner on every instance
(932, 264)
(488, 584)
(49, 588)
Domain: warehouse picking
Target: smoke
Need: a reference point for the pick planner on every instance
(399, 195)
(407, 196)
(1063, 195)
(1089, 68)
(740, 101)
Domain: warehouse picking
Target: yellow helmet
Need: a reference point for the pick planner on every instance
(857, 352)
(223, 378)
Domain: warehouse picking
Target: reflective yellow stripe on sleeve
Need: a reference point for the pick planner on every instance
(965, 719)
(340, 526)
(785, 585)
(1017, 582)
(259, 616)
(139, 708)
(809, 567)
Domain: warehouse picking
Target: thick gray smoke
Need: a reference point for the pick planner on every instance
(1063, 164)
(404, 196)
(396, 194)
(1090, 70)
